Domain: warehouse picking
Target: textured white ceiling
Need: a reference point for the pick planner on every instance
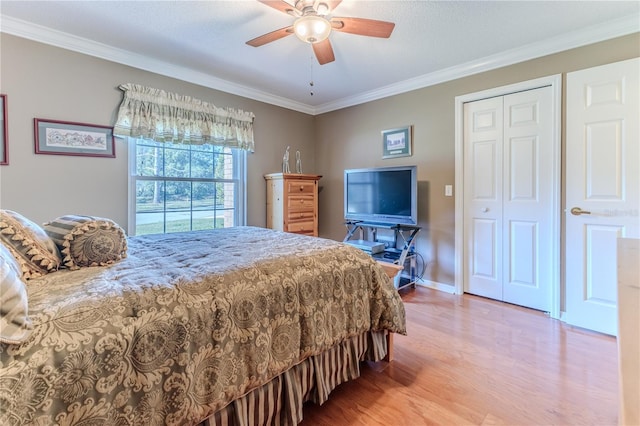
(204, 41)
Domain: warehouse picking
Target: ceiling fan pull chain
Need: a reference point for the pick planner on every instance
(311, 72)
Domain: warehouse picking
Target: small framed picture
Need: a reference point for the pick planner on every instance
(4, 144)
(396, 142)
(69, 138)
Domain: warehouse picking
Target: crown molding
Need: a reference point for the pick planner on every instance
(67, 41)
(607, 30)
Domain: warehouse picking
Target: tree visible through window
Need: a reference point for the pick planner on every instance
(176, 187)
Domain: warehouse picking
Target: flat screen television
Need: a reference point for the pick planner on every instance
(382, 195)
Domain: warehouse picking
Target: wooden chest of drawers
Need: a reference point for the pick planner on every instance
(292, 202)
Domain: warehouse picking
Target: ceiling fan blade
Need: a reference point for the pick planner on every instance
(323, 51)
(365, 27)
(280, 5)
(272, 36)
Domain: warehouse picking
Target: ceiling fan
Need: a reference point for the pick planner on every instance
(313, 26)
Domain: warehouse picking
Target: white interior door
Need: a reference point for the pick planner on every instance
(528, 191)
(602, 187)
(509, 190)
(483, 132)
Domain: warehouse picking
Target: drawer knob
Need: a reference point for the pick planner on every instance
(301, 187)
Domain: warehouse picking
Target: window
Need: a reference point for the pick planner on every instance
(179, 187)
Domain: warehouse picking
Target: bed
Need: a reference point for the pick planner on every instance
(231, 326)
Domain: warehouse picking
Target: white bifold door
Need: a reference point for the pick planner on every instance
(508, 193)
(602, 187)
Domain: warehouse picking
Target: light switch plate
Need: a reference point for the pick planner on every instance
(448, 190)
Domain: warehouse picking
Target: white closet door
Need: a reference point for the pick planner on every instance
(483, 132)
(508, 155)
(527, 193)
(603, 187)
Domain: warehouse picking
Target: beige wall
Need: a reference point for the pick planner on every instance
(47, 82)
(351, 138)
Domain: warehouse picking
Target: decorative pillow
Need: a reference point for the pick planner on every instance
(15, 325)
(9, 260)
(87, 240)
(35, 252)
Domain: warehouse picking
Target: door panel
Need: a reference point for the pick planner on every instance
(485, 275)
(603, 149)
(528, 194)
(508, 198)
(600, 239)
(603, 181)
(483, 197)
(485, 167)
(523, 260)
(523, 170)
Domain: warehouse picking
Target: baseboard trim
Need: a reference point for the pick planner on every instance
(447, 288)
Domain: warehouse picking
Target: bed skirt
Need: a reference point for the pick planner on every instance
(280, 401)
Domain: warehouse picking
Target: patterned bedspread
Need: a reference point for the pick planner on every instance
(185, 324)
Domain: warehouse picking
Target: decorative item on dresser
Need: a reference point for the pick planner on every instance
(298, 162)
(285, 161)
(292, 202)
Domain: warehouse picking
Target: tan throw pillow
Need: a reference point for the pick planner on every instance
(35, 252)
(15, 325)
(87, 240)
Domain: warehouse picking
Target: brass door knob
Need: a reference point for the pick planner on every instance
(577, 211)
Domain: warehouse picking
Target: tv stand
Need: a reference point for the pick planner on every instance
(399, 250)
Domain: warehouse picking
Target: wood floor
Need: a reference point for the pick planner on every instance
(473, 361)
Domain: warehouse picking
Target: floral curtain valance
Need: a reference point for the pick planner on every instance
(168, 117)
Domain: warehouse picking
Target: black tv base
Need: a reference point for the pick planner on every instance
(399, 251)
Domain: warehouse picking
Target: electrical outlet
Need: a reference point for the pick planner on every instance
(448, 190)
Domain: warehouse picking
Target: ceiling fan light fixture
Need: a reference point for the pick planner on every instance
(312, 28)
(322, 9)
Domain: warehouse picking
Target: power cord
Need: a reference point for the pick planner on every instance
(420, 261)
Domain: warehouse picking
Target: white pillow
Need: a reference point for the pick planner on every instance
(15, 325)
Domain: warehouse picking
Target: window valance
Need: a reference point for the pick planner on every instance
(168, 117)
